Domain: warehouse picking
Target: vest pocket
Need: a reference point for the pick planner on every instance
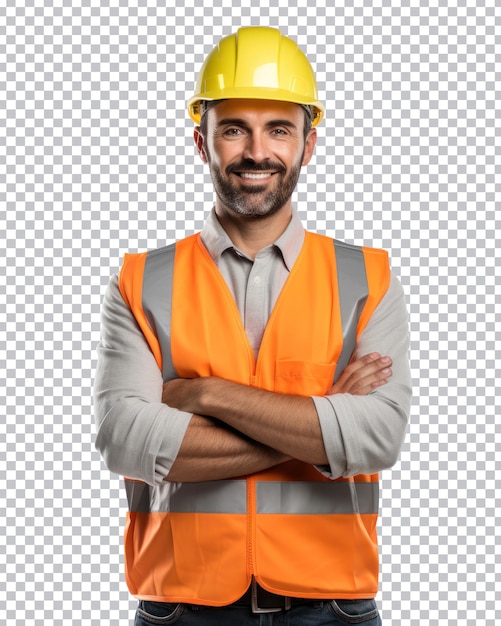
(304, 378)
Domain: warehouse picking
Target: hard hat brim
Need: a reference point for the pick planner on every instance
(194, 109)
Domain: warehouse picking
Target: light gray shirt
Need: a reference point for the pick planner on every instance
(139, 437)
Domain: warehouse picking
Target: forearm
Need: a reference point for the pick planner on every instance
(286, 423)
(213, 451)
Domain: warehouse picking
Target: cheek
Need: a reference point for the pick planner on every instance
(290, 155)
(222, 155)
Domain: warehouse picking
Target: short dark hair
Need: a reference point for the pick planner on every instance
(205, 105)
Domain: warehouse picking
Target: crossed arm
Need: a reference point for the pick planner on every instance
(143, 435)
(252, 429)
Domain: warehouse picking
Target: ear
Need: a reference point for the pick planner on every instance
(199, 143)
(309, 147)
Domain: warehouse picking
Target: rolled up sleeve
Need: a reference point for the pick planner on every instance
(364, 434)
(137, 435)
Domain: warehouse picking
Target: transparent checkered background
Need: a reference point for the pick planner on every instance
(96, 158)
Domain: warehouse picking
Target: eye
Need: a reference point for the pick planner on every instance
(279, 132)
(232, 132)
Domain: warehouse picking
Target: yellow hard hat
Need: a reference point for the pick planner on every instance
(257, 62)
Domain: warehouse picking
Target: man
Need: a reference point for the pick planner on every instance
(240, 386)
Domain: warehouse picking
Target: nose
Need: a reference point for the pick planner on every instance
(256, 147)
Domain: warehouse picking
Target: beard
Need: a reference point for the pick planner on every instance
(255, 200)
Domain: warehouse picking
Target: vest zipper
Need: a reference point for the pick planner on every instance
(251, 524)
(251, 483)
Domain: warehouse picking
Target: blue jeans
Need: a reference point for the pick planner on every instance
(327, 613)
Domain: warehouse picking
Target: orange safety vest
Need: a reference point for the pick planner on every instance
(299, 533)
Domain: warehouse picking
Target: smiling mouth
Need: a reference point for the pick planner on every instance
(254, 175)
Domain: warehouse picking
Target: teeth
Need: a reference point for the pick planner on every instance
(255, 174)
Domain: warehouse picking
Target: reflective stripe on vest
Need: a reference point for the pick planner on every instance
(230, 496)
(353, 292)
(226, 496)
(157, 300)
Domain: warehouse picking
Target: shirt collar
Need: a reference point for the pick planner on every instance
(217, 241)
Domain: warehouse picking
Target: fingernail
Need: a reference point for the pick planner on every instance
(385, 359)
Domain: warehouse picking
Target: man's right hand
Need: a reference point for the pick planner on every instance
(363, 375)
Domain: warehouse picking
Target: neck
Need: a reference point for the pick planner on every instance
(252, 234)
